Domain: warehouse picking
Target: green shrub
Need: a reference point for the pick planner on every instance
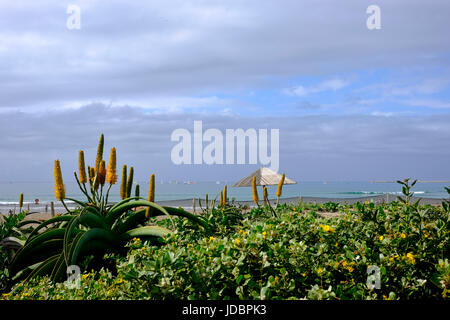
(292, 256)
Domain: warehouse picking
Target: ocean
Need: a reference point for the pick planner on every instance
(165, 191)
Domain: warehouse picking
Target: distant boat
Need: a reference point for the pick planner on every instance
(217, 182)
(324, 182)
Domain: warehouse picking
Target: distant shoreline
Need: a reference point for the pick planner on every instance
(188, 203)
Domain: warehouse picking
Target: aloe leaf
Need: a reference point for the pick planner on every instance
(132, 221)
(122, 202)
(182, 213)
(11, 243)
(148, 231)
(48, 222)
(107, 237)
(46, 235)
(44, 268)
(57, 267)
(81, 203)
(25, 272)
(72, 224)
(118, 211)
(24, 258)
(59, 271)
(91, 220)
(26, 222)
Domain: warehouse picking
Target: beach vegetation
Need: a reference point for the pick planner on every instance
(298, 254)
(230, 251)
(95, 227)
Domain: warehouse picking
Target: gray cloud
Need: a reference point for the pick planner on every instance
(311, 147)
(164, 64)
(175, 48)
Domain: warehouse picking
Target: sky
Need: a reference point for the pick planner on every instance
(351, 104)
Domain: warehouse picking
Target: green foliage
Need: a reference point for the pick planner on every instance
(94, 228)
(331, 206)
(13, 230)
(88, 231)
(242, 253)
(446, 203)
(408, 194)
(296, 255)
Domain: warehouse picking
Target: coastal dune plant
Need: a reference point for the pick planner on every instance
(123, 184)
(225, 195)
(446, 203)
(151, 194)
(266, 196)
(21, 202)
(255, 192)
(95, 227)
(280, 188)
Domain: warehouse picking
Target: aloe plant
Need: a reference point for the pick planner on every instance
(94, 228)
(446, 202)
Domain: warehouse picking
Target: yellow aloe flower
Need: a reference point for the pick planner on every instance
(89, 172)
(280, 186)
(21, 201)
(381, 238)
(123, 183)
(151, 193)
(99, 152)
(225, 195)
(60, 191)
(81, 167)
(130, 182)
(111, 175)
(266, 196)
(255, 191)
(101, 173)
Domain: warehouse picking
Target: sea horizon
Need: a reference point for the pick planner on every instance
(184, 190)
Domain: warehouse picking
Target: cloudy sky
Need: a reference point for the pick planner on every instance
(350, 103)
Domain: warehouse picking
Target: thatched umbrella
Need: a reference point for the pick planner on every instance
(264, 177)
